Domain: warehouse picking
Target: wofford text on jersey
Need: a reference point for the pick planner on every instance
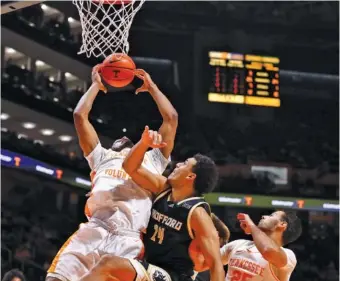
(166, 220)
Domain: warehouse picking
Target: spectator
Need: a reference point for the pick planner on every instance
(14, 275)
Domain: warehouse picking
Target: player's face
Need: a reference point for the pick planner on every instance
(183, 171)
(272, 221)
(122, 143)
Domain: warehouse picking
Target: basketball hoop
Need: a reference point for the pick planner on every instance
(106, 25)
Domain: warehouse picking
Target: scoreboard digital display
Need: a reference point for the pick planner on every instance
(244, 79)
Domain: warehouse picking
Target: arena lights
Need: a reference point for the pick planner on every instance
(4, 116)
(29, 125)
(124, 130)
(10, 51)
(22, 136)
(70, 76)
(70, 20)
(47, 132)
(44, 7)
(100, 120)
(38, 141)
(39, 63)
(65, 138)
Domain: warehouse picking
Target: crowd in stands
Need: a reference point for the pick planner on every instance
(35, 224)
(303, 137)
(30, 240)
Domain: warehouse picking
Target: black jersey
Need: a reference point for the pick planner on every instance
(169, 233)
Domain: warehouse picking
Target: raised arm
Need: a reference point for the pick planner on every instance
(270, 251)
(88, 138)
(208, 241)
(133, 162)
(170, 117)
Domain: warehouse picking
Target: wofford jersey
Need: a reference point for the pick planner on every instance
(169, 233)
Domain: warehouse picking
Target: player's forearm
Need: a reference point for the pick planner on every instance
(84, 105)
(217, 272)
(263, 243)
(135, 157)
(165, 107)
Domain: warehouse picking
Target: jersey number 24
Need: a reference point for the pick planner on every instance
(158, 234)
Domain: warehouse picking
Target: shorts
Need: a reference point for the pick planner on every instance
(149, 272)
(87, 245)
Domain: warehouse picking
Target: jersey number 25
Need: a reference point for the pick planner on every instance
(238, 275)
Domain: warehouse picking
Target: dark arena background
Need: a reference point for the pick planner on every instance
(255, 85)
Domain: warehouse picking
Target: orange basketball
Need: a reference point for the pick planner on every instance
(117, 70)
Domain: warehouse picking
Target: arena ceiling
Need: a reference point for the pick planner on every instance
(299, 21)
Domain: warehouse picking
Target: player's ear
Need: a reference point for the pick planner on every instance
(191, 176)
(282, 226)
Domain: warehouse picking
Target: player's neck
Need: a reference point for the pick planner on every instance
(181, 193)
(276, 237)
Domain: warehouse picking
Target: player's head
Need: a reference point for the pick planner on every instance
(285, 222)
(122, 143)
(199, 172)
(222, 230)
(14, 275)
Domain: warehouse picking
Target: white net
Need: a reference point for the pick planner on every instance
(106, 25)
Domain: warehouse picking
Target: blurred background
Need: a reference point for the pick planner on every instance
(256, 86)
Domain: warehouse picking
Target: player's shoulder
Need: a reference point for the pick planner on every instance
(198, 214)
(239, 243)
(235, 245)
(290, 256)
(198, 207)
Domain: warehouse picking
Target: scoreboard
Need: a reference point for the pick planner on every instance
(244, 79)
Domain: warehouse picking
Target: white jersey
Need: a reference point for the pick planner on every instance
(246, 263)
(115, 199)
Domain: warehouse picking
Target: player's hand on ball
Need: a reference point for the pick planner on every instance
(152, 138)
(245, 222)
(147, 81)
(97, 79)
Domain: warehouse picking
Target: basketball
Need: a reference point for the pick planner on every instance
(196, 255)
(117, 70)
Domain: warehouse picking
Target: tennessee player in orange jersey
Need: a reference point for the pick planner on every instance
(264, 258)
(118, 210)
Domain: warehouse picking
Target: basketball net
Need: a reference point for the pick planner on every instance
(106, 25)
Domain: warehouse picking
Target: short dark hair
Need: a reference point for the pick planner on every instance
(222, 229)
(127, 144)
(206, 174)
(294, 227)
(10, 275)
(169, 169)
